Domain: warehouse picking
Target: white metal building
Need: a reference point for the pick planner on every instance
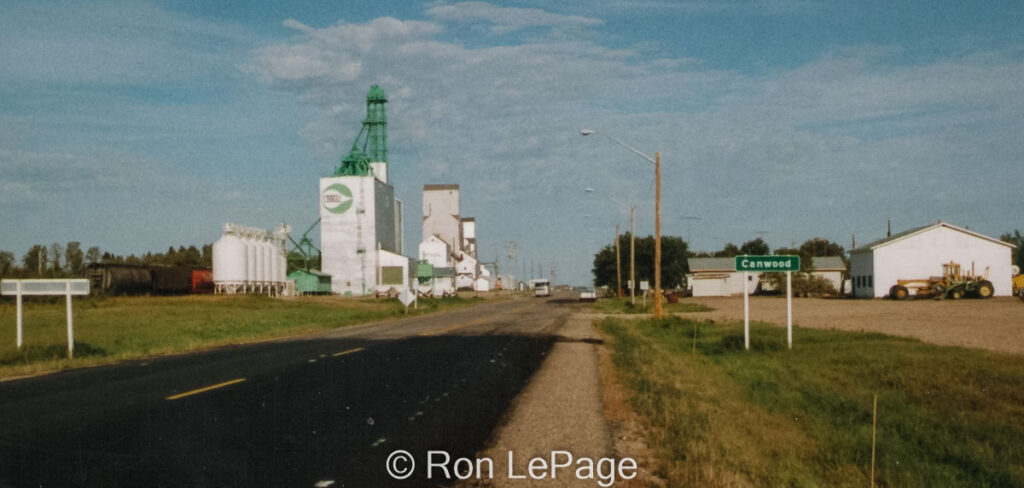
(469, 235)
(441, 214)
(358, 216)
(921, 252)
(831, 268)
(436, 252)
(717, 277)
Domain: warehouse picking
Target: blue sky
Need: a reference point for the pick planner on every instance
(138, 125)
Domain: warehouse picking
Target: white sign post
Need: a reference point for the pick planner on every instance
(644, 286)
(67, 288)
(746, 311)
(407, 297)
(746, 264)
(789, 308)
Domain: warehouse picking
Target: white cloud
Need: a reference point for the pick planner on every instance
(506, 19)
(299, 26)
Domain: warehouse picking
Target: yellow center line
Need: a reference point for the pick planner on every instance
(454, 327)
(350, 351)
(206, 389)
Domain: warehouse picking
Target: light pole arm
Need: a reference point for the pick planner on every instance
(588, 132)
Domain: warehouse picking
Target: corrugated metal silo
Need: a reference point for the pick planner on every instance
(229, 260)
(275, 264)
(266, 253)
(252, 257)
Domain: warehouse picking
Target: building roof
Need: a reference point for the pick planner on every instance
(828, 263)
(441, 187)
(711, 264)
(310, 272)
(918, 230)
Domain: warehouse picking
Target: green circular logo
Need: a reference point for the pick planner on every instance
(337, 198)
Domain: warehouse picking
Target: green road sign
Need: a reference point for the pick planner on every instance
(768, 263)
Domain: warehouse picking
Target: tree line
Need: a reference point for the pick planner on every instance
(70, 261)
(675, 252)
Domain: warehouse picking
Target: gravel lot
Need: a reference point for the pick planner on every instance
(996, 324)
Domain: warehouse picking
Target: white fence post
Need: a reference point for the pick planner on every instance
(20, 333)
(71, 328)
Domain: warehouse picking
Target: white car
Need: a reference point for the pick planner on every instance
(588, 295)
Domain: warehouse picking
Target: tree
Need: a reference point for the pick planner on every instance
(206, 261)
(6, 263)
(1017, 240)
(756, 247)
(730, 250)
(55, 253)
(74, 257)
(674, 266)
(820, 247)
(92, 255)
(34, 261)
(191, 256)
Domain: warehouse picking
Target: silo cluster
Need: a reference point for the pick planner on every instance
(250, 260)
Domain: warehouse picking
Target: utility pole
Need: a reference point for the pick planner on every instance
(618, 265)
(632, 257)
(657, 235)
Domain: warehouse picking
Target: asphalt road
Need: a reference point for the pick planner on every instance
(316, 411)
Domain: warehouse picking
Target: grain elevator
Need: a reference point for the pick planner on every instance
(360, 219)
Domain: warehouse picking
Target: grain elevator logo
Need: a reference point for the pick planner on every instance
(337, 198)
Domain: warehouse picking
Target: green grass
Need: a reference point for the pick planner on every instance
(723, 416)
(622, 305)
(112, 329)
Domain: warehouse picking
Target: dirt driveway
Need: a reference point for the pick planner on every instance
(996, 324)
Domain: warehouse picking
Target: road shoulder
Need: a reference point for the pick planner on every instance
(572, 404)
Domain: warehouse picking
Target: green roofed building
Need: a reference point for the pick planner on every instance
(311, 282)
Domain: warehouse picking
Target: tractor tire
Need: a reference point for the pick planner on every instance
(898, 292)
(985, 290)
(956, 293)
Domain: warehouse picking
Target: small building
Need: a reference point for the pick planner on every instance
(717, 277)
(393, 272)
(444, 282)
(436, 252)
(920, 253)
(310, 282)
(831, 268)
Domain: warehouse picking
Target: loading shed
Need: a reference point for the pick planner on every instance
(311, 282)
(921, 252)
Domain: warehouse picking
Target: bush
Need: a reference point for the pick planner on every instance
(804, 284)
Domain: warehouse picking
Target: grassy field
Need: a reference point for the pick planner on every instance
(721, 416)
(623, 305)
(108, 330)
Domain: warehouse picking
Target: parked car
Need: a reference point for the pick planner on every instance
(588, 295)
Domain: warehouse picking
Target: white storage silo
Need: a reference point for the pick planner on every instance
(251, 259)
(275, 263)
(282, 262)
(260, 277)
(229, 263)
(268, 255)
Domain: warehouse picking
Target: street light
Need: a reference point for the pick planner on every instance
(632, 247)
(656, 160)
